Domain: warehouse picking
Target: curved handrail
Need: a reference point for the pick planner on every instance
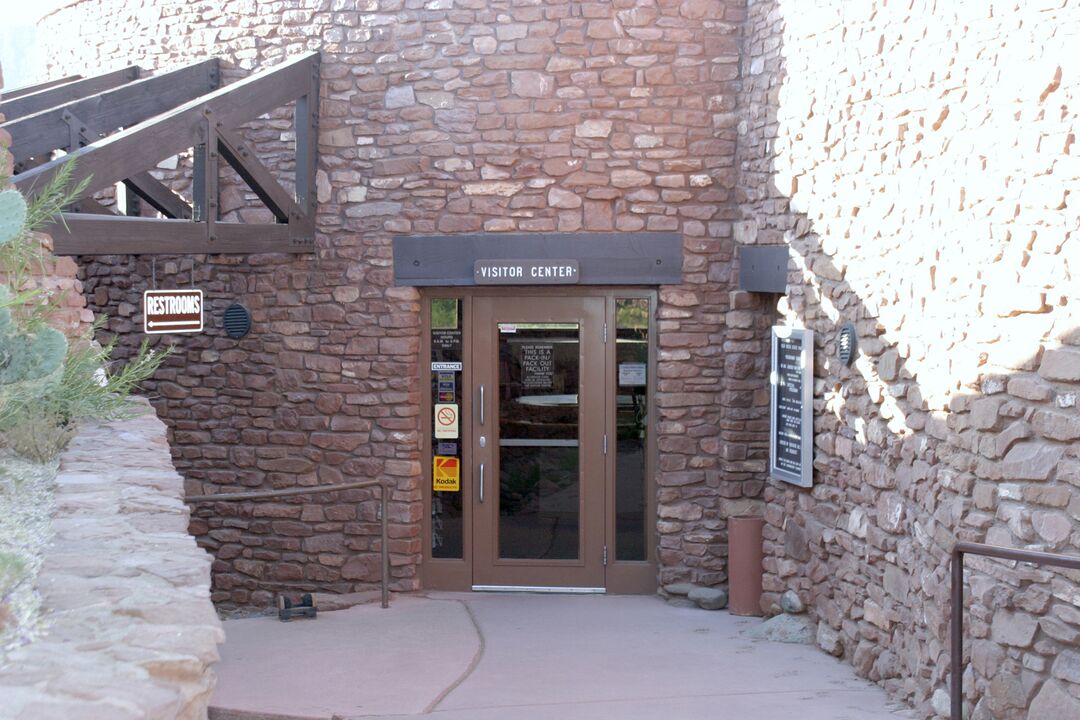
(383, 485)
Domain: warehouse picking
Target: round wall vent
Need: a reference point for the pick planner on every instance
(846, 344)
(237, 321)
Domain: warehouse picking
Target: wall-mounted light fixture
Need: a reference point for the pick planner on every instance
(847, 344)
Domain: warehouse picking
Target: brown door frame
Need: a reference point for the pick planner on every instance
(587, 570)
(457, 574)
(632, 576)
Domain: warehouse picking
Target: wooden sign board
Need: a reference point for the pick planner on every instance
(172, 311)
(791, 406)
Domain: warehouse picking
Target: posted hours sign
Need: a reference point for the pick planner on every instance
(172, 311)
(791, 406)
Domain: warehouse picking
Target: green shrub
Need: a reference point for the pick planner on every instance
(13, 571)
(48, 385)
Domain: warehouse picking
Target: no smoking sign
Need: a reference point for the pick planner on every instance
(446, 421)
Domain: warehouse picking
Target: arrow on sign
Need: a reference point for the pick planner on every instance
(170, 323)
(172, 311)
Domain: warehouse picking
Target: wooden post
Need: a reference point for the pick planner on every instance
(306, 120)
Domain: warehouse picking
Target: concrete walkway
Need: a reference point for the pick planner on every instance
(530, 657)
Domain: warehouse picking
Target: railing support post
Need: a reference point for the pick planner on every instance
(956, 648)
(385, 490)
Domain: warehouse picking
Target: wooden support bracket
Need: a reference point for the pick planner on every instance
(159, 126)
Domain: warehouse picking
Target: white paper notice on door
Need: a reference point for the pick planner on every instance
(631, 374)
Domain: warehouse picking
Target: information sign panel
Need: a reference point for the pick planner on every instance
(791, 406)
(538, 366)
(172, 311)
(632, 374)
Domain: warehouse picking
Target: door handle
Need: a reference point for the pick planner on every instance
(481, 404)
(481, 482)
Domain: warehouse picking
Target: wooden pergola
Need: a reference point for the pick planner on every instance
(118, 126)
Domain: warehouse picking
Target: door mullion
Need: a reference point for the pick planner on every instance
(607, 513)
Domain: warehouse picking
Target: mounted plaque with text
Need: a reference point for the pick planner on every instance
(791, 406)
(525, 272)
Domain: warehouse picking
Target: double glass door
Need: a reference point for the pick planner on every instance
(539, 441)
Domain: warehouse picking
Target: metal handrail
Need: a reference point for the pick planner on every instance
(383, 485)
(956, 651)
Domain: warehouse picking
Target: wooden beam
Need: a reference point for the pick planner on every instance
(13, 93)
(91, 206)
(160, 197)
(212, 168)
(142, 186)
(50, 97)
(306, 117)
(122, 106)
(198, 182)
(257, 176)
(80, 234)
(142, 146)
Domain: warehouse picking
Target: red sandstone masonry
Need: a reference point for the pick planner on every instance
(924, 181)
(55, 276)
(917, 157)
(131, 629)
(439, 117)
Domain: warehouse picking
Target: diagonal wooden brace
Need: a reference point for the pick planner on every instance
(257, 176)
(143, 184)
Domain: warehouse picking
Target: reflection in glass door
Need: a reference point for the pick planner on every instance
(539, 467)
(538, 446)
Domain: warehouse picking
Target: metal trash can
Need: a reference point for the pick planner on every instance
(744, 564)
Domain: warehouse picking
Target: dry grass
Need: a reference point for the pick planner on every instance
(26, 504)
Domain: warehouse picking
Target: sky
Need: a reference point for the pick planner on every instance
(19, 59)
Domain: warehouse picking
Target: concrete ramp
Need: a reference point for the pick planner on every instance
(457, 656)
(358, 662)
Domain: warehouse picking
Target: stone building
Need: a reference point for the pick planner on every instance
(918, 162)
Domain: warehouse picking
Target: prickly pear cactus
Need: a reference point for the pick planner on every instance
(5, 314)
(31, 357)
(27, 356)
(12, 215)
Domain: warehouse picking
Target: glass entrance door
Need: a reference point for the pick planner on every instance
(537, 435)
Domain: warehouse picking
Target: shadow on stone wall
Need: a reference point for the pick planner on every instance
(958, 419)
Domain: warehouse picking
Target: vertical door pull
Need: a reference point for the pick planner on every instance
(481, 482)
(481, 404)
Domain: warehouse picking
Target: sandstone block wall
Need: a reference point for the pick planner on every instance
(920, 160)
(438, 117)
(57, 277)
(131, 631)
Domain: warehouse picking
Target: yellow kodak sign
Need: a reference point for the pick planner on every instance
(446, 474)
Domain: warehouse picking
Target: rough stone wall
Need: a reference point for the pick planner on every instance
(131, 629)
(919, 158)
(55, 276)
(442, 116)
